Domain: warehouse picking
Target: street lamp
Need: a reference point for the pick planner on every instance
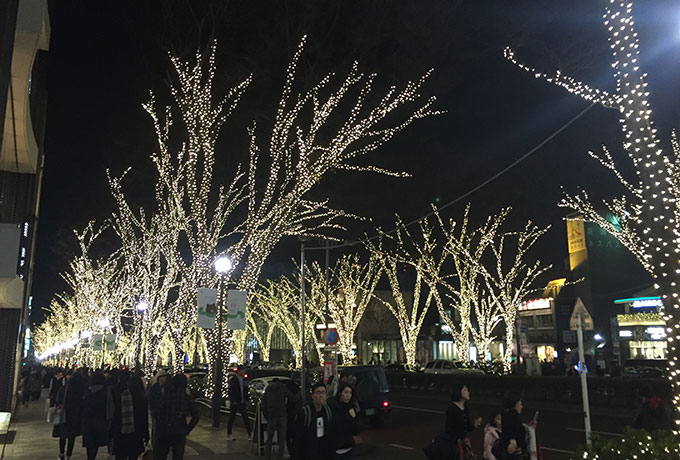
(141, 307)
(223, 266)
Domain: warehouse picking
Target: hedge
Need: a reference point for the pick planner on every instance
(603, 391)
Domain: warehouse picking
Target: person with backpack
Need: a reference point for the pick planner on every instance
(313, 428)
(172, 429)
(274, 409)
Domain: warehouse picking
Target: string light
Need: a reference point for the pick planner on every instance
(419, 253)
(350, 290)
(648, 214)
(299, 153)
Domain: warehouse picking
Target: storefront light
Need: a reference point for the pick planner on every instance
(656, 333)
(625, 333)
(598, 337)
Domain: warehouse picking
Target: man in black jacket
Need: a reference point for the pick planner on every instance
(238, 401)
(313, 428)
(274, 409)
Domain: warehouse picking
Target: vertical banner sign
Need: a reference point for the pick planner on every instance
(576, 239)
(104, 342)
(236, 309)
(207, 307)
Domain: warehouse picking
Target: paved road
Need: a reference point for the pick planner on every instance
(416, 418)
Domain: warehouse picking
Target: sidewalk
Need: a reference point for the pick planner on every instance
(30, 437)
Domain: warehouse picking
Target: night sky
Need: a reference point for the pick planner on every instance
(106, 56)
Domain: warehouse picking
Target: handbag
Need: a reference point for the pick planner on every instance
(59, 418)
(51, 412)
(442, 447)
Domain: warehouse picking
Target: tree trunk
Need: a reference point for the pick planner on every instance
(509, 343)
(410, 348)
(462, 341)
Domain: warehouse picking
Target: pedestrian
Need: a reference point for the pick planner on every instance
(35, 386)
(172, 427)
(652, 415)
(69, 404)
(513, 443)
(313, 428)
(25, 389)
(95, 422)
(345, 426)
(130, 424)
(492, 432)
(293, 406)
(237, 391)
(274, 409)
(159, 384)
(56, 382)
(458, 424)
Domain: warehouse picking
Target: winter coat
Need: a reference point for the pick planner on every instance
(130, 444)
(344, 425)
(491, 434)
(313, 437)
(457, 423)
(70, 399)
(55, 385)
(274, 400)
(513, 429)
(237, 389)
(95, 424)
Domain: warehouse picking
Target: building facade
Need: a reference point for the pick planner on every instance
(24, 42)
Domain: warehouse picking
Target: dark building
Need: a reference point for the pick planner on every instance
(24, 40)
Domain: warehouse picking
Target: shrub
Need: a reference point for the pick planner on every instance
(634, 445)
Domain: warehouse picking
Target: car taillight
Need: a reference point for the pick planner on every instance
(245, 376)
(386, 404)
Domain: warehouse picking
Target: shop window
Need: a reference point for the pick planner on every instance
(647, 349)
(545, 353)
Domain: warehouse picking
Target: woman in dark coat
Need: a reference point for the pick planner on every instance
(95, 424)
(69, 404)
(513, 437)
(344, 421)
(458, 423)
(129, 437)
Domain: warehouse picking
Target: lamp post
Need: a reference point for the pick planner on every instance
(223, 266)
(141, 307)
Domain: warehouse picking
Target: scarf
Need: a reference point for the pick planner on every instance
(127, 413)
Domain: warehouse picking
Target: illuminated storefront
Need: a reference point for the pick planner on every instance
(641, 329)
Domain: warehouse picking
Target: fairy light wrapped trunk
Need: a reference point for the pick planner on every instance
(649, 211)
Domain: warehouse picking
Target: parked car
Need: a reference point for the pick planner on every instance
(444, 366)
(372, 390)
(401, 367)
(645, 367)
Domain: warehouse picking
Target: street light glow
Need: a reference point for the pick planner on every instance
(223, 265)
(142, 306)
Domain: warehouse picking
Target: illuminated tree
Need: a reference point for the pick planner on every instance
(350, 290)
(262, 323)
(648, 211)
(425, 256)
(151, 275)
(282, 299)
(459, 274)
